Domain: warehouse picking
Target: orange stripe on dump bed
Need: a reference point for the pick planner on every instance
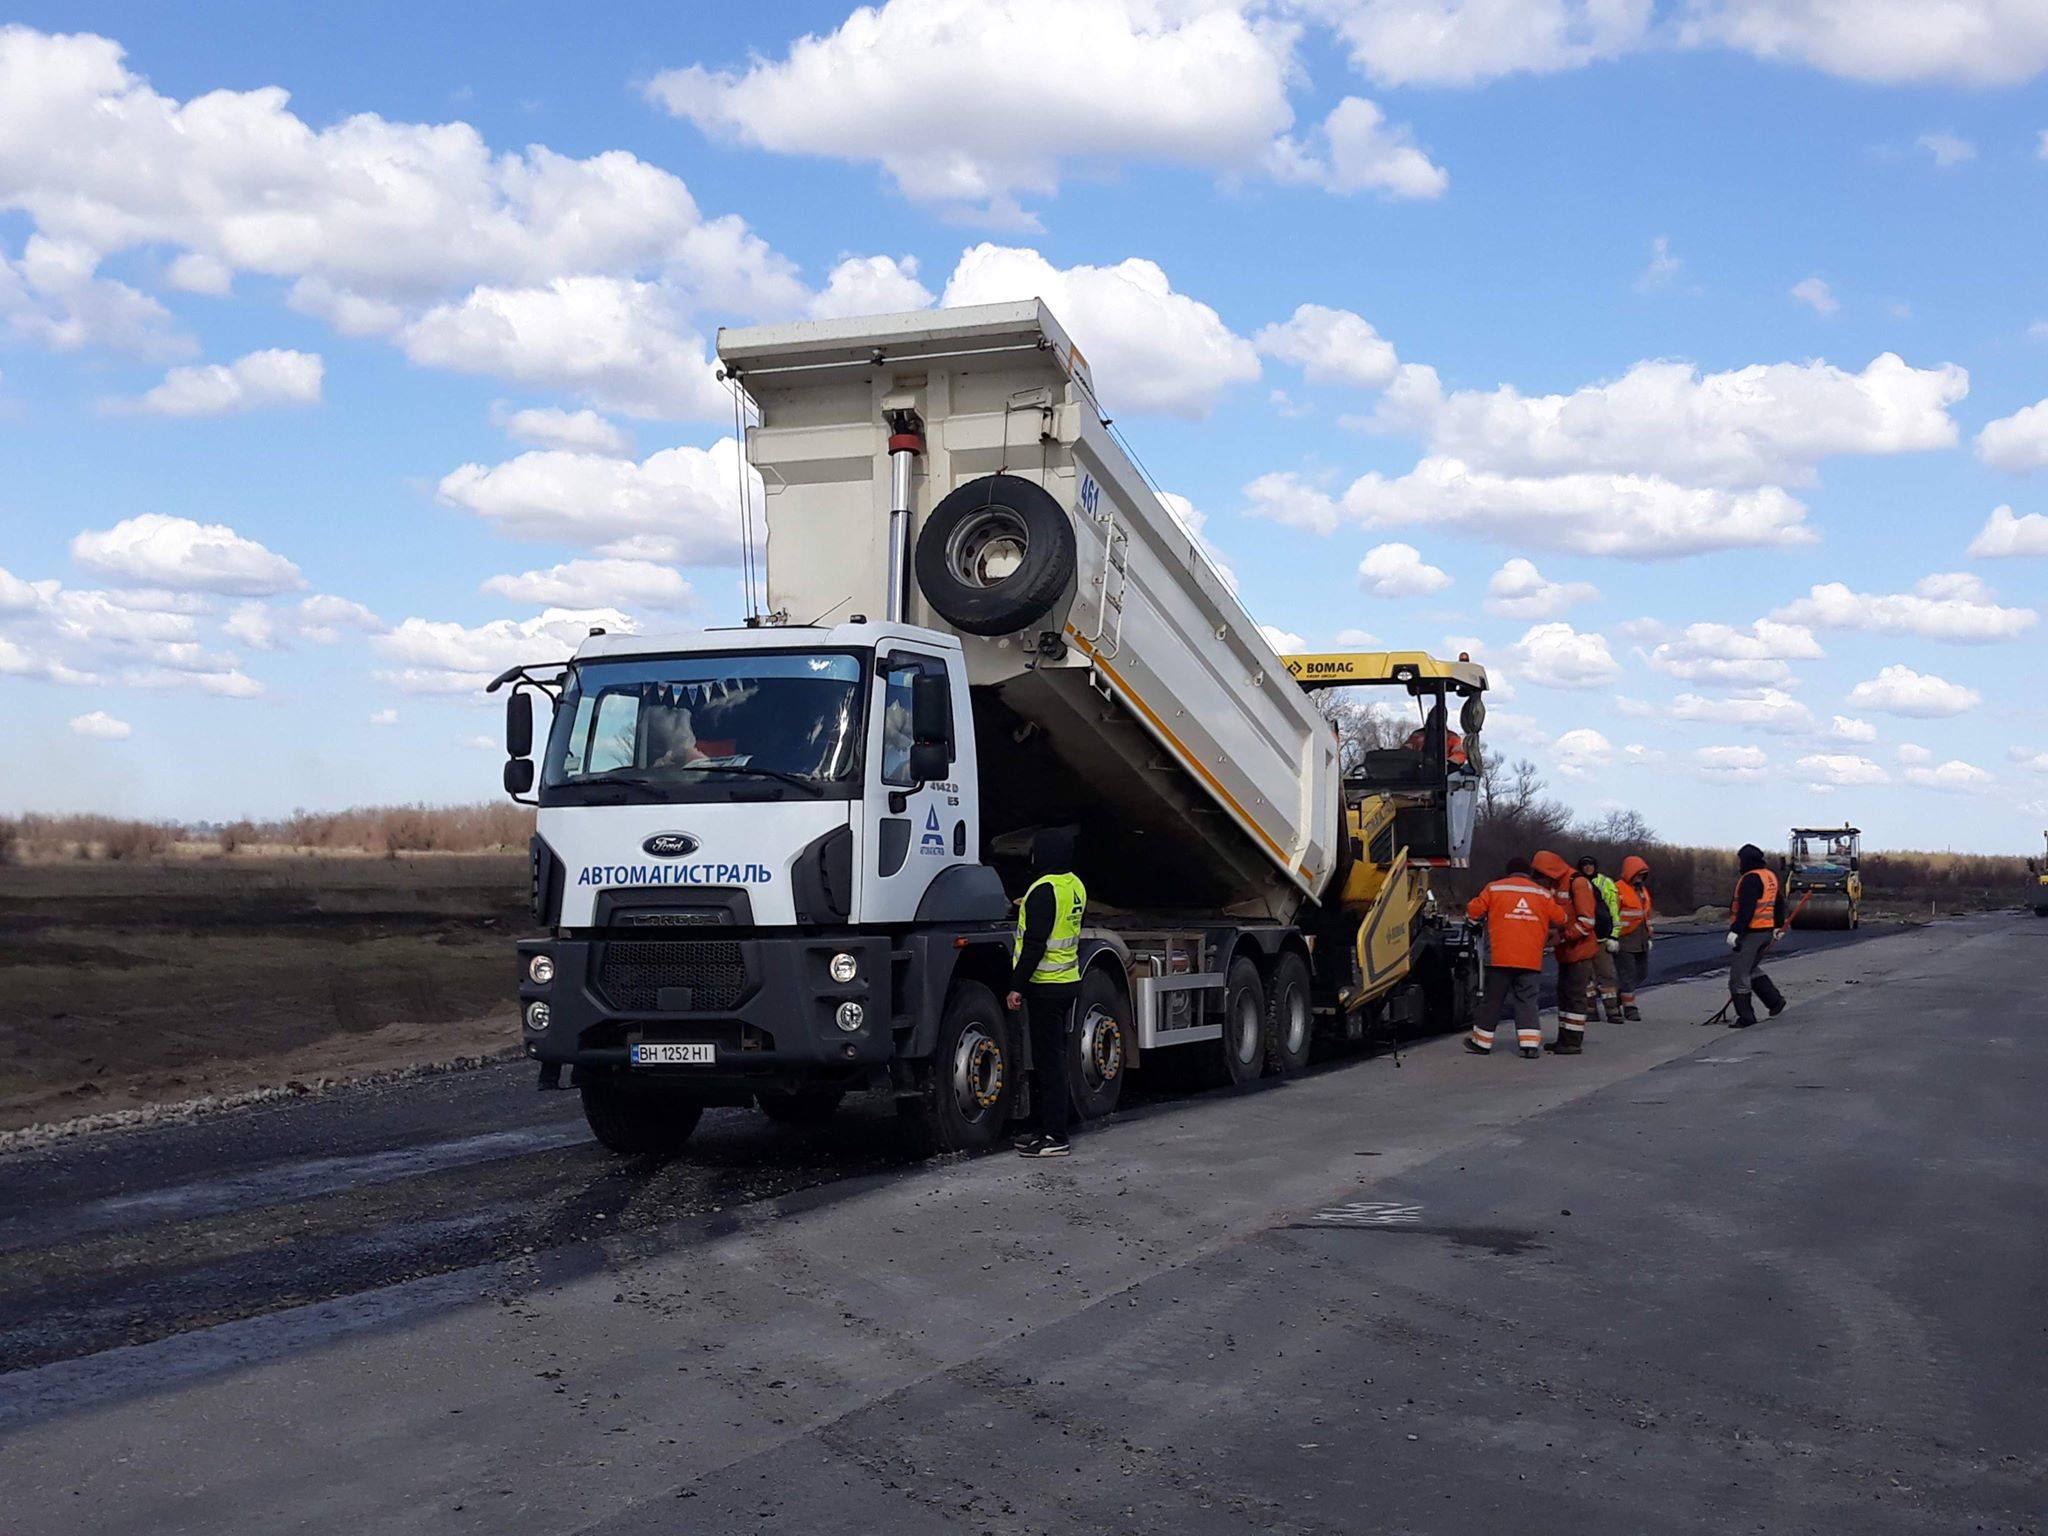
(1189, 760)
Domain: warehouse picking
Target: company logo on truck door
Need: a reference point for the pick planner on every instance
(706, 873)
(932, 840)
(670, 845)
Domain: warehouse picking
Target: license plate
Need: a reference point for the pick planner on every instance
(665, 1055)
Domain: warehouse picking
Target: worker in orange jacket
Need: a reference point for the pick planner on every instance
(1632, 959)
(1519, 915)
(1575, 945)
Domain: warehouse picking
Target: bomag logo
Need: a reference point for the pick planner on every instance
(1318, 668)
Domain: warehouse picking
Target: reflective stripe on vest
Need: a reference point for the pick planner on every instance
(1635, 905)
(1061, 962)
(1766, 914)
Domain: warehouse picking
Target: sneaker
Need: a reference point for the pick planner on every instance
(1028, 1144)
(1047, 1146)
(1476, 1048)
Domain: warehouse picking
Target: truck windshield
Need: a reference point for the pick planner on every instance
(706, 727)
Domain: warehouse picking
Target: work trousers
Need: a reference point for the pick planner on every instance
(1632, 968)
(1607, 981)
(1507, 987)
(1745, 975)
(1051, 1014)
(1575, 999)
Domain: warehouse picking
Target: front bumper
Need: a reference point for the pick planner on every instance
(768, 1005)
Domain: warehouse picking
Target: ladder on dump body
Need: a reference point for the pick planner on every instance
(1113, 582)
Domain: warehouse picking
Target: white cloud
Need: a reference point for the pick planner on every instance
(275, 376)
(680, 505)
(1557, 656)
(1947, 148)
(618, 342)
(1286, 642)
(54, 297)
(384, 717)
(1765, 424)
(1577, 753)
(1029, 90)
(1769, 709)
(228, 682)
(93, 154)
(2019, 442)
(321, 619)
(2004, 535)
(1663, 269)
(1358, 640)
(1398, 570)
(585, 584)
(1955, 774)
(436, 656)
(871, 285)
(102, 726)
(1149, 348)
(1355, 151)
(1743, 658)
(16, 595)
(1743, 765)
(151, 549)
(2028, 758)
(1468, 42)
(1331, 346)
(1630, 516)
(1984, 42)
(1955, 607)
(552, 427)
(1898, 690)
(1839, 768)
(1816, 295)
(1912, 752)
(1845, 728)
(1519, 591)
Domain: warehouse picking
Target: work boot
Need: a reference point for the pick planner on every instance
(1610, 1009)
(1531, 1053)
(1476, 1048)
(1632, 1013)
(1767, 989)
(1569, 1042)
(1745, 1013)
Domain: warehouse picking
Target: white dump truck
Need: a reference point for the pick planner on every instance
(777, 863)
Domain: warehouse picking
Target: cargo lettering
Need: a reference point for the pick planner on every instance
(675, 874)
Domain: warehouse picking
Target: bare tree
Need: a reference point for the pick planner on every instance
(1361, 727)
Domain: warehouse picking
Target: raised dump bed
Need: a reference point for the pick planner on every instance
(1119, 683)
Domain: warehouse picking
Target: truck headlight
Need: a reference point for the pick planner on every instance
(845, 968)
(851, 1016)
(540, 970)
(536, 1017)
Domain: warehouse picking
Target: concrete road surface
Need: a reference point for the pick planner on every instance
(1696, 1280)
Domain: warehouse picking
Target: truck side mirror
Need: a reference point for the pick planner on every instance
(931, 712)
(518, 775)
(519, 728)
(929, 761)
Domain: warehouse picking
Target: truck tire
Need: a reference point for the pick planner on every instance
(972, 1080)
(632, 1120)
(1097, 1045)
(1241, 1053)
(1290, 1019)
(799, 1106)
(995, 555)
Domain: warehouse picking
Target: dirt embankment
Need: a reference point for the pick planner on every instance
(131, 984)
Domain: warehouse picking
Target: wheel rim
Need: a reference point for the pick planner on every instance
(1102, 1049)
(988, 548)
(1296, 1006)
(1248, 1027)
(977, 1074)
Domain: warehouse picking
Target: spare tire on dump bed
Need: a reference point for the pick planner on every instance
(995, 555)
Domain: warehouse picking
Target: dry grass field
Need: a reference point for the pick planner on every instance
(193, 973)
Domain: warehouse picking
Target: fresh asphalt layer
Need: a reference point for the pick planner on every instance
(1695, 1280)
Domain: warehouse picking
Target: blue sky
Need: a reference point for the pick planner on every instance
(1727, 316)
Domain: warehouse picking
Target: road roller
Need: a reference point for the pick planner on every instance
(1823, 877)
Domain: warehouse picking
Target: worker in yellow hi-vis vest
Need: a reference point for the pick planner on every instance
(1045, 979)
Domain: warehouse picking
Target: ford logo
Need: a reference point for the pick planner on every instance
(670, 845)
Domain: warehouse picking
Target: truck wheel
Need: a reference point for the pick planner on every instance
(995, 555)
(1096, 1057)
(631, 1121)
(1241, 1053)
(799, 1106)
(973, 1072)
(1290, 1021)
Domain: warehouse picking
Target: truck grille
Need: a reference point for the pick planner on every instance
(633, 975)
